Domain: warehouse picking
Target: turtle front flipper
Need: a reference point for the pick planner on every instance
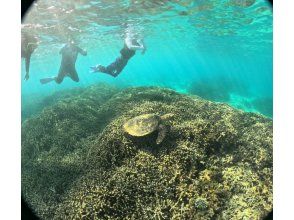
(161, 133)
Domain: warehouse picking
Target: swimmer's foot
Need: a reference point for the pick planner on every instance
(96, 68)
(47, 80)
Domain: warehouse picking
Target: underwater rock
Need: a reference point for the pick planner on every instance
(214, 163)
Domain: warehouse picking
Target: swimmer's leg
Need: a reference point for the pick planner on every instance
(114, 68)
(58, 79)
(119, 67)
(47, 80)
(61, 74)
(74, 75)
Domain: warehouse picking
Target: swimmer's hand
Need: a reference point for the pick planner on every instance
(27, 76)
(95, 68)
(143, 51)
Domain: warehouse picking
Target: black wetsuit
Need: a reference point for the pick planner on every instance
(67, 68)
(118, 65)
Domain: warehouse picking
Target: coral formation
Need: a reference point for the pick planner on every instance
(264, 105)
(33, 104)
(214, 163)
(236, 95)
(217, 88)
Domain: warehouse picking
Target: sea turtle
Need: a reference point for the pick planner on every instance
(145, 124)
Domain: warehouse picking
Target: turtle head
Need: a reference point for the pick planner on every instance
(167, 116)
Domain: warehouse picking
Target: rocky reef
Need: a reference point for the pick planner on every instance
(78, 163)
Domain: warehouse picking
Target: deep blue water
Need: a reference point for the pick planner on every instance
(220, 50)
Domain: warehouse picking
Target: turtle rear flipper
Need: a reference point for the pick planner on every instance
(161, 133)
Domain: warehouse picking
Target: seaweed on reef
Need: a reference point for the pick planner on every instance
(214, 163)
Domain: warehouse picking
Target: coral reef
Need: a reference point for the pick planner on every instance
(52, 143)
(233, 93)
(264, 105)
(217, 88)
(214, 163)
(33, 104)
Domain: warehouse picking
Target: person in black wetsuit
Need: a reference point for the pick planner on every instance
(28, 44)
(67, 68)
(127, 52)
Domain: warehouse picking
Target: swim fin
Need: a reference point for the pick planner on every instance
(47, 80)
(94, 69)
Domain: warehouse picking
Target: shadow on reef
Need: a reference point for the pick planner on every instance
(78, 163)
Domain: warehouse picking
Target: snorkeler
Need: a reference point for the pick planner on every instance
(127, 52)
(67, 68)
(28, 44)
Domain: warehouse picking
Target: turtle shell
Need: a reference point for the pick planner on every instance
(142, 125)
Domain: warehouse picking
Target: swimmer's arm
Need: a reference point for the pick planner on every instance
(28, 61)
(142, 43)
(129, 44)
(81, 51)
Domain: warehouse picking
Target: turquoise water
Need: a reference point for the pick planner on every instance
(220, 50)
